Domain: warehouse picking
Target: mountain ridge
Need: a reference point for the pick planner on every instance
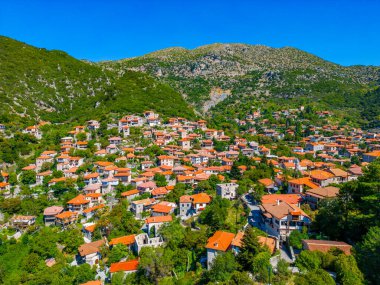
(53, 85)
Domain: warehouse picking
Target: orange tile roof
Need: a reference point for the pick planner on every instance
(266, 182)
(303, 181)
(91, 228)
(159, 208)
(65, 215)
(126, 240)
(321, 175)
(129, 193)
(289, 198)
(78, 200)
(201, 198)
(220, 241)
(97, 207)
(130, 265)
(158, 219)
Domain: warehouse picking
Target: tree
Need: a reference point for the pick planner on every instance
(117, 278)
(235, 172)
(309, 260)
(241, 278)
(160, 180)
(215, 214)
(176, 193)
(173, 234)
(314, 277)
(348, 271)
(156, 263)
(28, 177)
(249, 249)
(118, 252)
(296, 237)
(72, 239)
(368, 255)
(222, 267)
(261, 265)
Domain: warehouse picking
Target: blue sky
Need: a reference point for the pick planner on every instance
(345, 32)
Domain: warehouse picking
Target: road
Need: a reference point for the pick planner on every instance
(254, 220)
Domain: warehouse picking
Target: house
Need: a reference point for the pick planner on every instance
(78, 204)
(90, 212)
(192, 205)
(22, 222)
(90, 252)
(185, 206)
(166, 160)
(269, 242)
(5, 188)
(91, 178)
(227, 190)
(140, 206)
(314, 196)
(143, 240)
(155, 223)
(281, 218)
(267, 183)
(160, 192)
(146, 187)
(299, 185)
(163, 208)
(126, 267)
(50, 213)
(125, 240)
(371, 156)
(131, 194)
(220, 242)
(325, 245)
(115, 140)
(185, 143)
(340, 176)
(314, 147)
(88, 231)
(294, 199)
(321, 177)
(64, 219)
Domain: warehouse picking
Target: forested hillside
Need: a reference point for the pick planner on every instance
(51, 85)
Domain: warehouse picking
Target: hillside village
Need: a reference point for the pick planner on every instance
(141, 196)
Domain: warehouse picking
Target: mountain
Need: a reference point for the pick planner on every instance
(234, 76)
(219, 81)
(51, 85)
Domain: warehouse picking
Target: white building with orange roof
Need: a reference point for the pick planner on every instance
(299, 185)
(78, 204)
(281, 218)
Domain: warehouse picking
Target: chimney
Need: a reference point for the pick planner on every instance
(278, 202)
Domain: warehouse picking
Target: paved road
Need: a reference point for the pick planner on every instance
(254, 220)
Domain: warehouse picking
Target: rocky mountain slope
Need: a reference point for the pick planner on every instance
(251, 71)
(219, 80)
(51, 85)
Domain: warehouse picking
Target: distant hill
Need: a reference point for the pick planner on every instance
(51, 85)
(219, 81)
(254, 73)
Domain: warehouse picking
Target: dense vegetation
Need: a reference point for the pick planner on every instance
(51, 85)
(258, 75)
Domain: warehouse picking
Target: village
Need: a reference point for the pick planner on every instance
(163, 171)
